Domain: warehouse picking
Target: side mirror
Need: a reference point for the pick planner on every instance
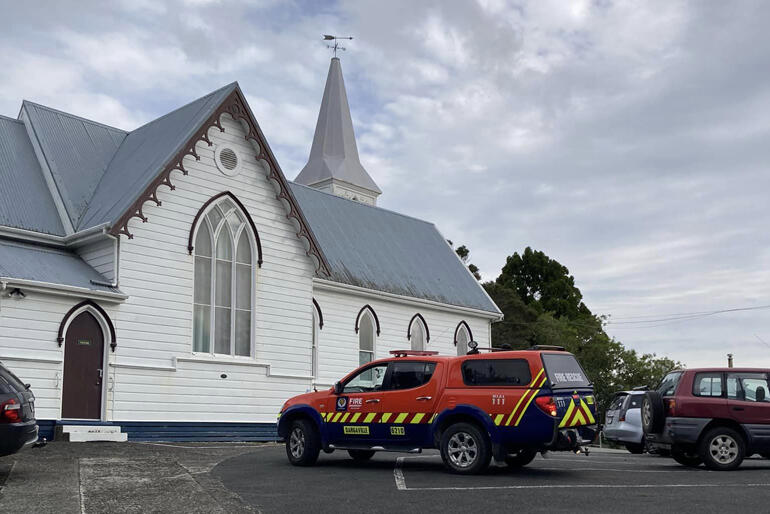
(338, 388)
(27, 386)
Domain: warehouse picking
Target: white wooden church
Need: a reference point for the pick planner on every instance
(170, 280)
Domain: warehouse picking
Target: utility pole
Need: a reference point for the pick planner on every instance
(729, 360)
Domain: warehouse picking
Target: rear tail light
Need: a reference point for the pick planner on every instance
(10, 412)
(670, 406)
(547, 405)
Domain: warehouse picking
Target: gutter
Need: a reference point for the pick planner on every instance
(362, 291)
(63, 290)
(31, 236)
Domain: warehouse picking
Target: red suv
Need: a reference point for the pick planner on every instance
(711, 416)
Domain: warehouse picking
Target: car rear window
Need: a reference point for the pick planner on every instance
(564, 370)
(635, 402)
(617, 402)
(9, 382)
(496, 372)
(668, 385)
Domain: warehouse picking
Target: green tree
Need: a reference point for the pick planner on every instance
(464, 254)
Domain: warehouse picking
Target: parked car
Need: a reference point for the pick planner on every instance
(623, 421)
(509, 405)
(18, 428)
(714, 416)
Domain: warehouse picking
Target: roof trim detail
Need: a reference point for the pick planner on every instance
(468, 328)
(77, 307)
(235, 105)
(374, 315)
(191, 247)
(424, 324)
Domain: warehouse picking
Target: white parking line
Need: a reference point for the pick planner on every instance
(398, 475)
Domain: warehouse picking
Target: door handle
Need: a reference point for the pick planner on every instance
(373, 400)
(99, 378)
(738, 408)
(423, 398)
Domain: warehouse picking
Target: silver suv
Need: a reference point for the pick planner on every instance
(623, 421)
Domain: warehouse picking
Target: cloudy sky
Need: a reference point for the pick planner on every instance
(628, 140)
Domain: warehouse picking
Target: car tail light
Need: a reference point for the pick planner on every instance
(547, 405)
(10, 412)
(670, 407)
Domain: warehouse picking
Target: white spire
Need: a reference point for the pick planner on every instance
(334, 165)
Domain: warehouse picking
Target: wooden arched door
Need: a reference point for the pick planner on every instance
(83, 362)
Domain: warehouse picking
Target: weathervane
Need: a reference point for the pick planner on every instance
(336, 46)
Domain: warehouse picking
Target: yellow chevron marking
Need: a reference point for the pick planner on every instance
(355, 417)
(369, 417)
(579, 419)
(336, 417)
(323, 416)
(401, 417)
(587, 411)
(345, 417)
(499, 419)
(567, 414)
(432, 418)
(385, 417)
(417, 417)
(526, 406)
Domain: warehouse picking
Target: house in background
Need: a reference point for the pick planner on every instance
(170, 281)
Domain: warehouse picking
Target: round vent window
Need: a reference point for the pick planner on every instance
(227, 160)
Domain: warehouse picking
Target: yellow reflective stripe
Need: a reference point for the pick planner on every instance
(401, 417)
(417, 417)
(587, 411)
(432, 418)
(385, 417)
(369, 417)
(567, 414)
(534, 380)
(323, 416)
(355, 417)
(508, 422)
(336, 417)
(499, 419)
(344, 417)
(526, 406)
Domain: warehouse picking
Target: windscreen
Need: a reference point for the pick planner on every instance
(564, 370)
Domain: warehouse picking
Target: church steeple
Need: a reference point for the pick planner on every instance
(334, 165)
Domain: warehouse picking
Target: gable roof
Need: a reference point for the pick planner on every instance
(378, 249)
(76, 150)
(334, 154)
(143, 153)
(21, 179)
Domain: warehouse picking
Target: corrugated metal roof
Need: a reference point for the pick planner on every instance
(24, 261)
(25, 201)
(378, 249)
(77, 152)
(142, 155)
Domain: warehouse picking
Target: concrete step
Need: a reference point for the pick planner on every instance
(82, 437)
(91, 429)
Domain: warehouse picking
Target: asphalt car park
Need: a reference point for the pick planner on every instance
(562, 482)
(243, 477)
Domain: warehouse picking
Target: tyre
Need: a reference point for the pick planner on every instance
(303, 443)
(465, 449)
(361, 455)
(520, 459)
(691, 458)
(722, 448)
(653, 413)
(635, 448)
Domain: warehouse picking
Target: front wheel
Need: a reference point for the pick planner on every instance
(361, 455)
(520, 459)
(465, 449)
(303, 443)
(722, 449)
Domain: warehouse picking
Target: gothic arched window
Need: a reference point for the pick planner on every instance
(223, 321)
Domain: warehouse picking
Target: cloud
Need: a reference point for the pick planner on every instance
(627, 140)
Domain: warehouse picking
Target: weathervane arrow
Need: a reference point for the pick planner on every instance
(336, 46)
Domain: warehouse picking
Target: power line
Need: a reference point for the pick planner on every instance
(686, 316)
